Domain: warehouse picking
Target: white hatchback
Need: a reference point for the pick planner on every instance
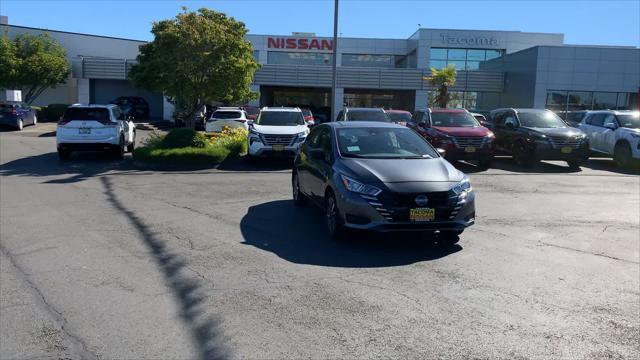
(614, 133)
(95, 128)
(227, 117)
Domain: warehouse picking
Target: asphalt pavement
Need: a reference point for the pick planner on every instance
(100, 259)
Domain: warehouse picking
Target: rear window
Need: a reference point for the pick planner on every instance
(367, 115)
(87, 114)
(6, 108)
(226, 115)
(394, 116)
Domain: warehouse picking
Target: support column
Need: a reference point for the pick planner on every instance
(421, 101)
(84, 91)
(339, 101)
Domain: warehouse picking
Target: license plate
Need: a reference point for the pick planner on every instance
(470, 149)
(566, 150)
(278, 147)
(83, 131)
(422, 214)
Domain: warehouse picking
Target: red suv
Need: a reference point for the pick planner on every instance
(457, 132)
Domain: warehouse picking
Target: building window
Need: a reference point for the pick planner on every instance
(380, 61)
(457, 99)
(563, 100)
(579, 100)
(256, 55)
(462, 59)
(298, 58)
(557, 100)
(604, 100)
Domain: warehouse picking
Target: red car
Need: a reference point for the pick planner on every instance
(458, 133)
(401, 117)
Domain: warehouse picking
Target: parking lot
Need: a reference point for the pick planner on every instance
(102, 259)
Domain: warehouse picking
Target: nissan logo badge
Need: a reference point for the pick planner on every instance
(422, 200)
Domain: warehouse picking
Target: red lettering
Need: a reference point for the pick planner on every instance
(327, 44)
(291, 43)
(314, 45)
(273, 43)
(303, 44)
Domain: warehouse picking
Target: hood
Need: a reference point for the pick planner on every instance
(463, 131)
(391, 171)
(567, 131)
(280, 130)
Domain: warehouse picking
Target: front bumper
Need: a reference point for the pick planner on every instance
(548, 152)
(9, 121)
(87, 146)
(383, 215)
(261, 150)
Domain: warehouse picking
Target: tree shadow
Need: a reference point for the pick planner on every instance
(606, 164)
(299, 235)
(187, 289)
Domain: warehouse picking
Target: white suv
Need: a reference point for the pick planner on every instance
(95, 128)
(615, 133)
(277, 132)
(232, 117)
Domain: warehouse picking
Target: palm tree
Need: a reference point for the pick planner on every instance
(442, 80)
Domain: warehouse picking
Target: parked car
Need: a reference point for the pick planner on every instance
(530, 135)
(277, 132)
(17, 114)
(481, 118)
(133, 106)
(401, 117)
(457, 132)
(308, 117)
(362, 114)
(379, 176)
(614, 133)
(574, 118)
(232, 117)
(95, 128)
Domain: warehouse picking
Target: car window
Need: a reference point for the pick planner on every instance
(596, 120)
(631, 121)
(509, 119)
(280, 118)
(226, 115)
(312, 139)
(399, 116)
(498, 118)
(453, 119)
(324, 140)
(87, 114)
(383, 143)
(367, 115)
(610, 119)
(540, 119)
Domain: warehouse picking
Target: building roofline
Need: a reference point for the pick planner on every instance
(73, 33)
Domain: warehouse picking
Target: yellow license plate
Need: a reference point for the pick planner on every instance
(422, 214)
(469, 149)
(566, 150)
(278, 147)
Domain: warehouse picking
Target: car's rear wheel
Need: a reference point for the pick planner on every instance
(448, 238)
(622, 154)
(20, 124)
(64, 154)
(298, 198)
(334, 224)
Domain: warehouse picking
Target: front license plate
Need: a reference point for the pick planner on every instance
(84, 131)
(566, 150)
(422, 214)
(470, 149)
(278, 147)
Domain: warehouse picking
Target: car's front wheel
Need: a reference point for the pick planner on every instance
(20, 124)
(622, 154)
(522, 156)
(298, 197)
(334, 224)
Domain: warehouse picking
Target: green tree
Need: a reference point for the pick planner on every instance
(442, 80)
(195, 59)
(32, 63)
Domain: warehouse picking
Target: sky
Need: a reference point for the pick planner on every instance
(582, 22)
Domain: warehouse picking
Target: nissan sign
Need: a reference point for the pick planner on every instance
(299, 44)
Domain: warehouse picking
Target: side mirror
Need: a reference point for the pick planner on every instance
(610, 126)
(442, 152)
(317, 154)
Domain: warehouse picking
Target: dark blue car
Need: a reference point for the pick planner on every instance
(17, 114)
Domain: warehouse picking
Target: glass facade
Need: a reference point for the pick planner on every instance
(457, 99)
(462, 59)
(381, 61)
(298, 58)
(563, 100)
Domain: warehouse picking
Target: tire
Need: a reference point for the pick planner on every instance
(448, 238)
(299, 199)
(64, 154)
(120, 150)
(20, 125)
(132, 146)
(574, 164)
(521, 155)
(332, 215)
(622, 155)
(485, 162)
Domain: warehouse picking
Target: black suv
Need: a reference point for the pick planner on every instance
(133, 106)
(530, 135)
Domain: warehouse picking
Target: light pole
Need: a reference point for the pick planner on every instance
(334, 60)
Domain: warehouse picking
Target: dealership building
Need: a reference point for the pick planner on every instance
(495, 69)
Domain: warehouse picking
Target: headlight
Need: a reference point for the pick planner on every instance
(301, 136)
(462, 187)
(358, 187)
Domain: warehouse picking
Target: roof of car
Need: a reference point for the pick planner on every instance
(226, 108)
(286, 109)
(362, 109)
(106, 106)
(362, 124)
(398, 111)
(617, 112)
(448, 110)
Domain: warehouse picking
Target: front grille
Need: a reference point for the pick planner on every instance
(565, 141)
(278, 139)
(468, 141)
(395, 207)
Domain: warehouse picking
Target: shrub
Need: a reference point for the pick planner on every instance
(179, 138)
(53, 112)
(184, 155)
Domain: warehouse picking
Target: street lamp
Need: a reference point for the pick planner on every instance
(335, 56)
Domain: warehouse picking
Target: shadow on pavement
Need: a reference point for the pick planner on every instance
(242, 164)
(508, 164)
(298, 235)
(609, 165)
(187, 289)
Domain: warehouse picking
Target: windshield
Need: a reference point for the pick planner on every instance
(367, 115)
(6, 108)
(453, 119)
(280, 118)
(383, 143)
(398, 116)
(630, 120)
(87, 114)
(540, 119)
(226, 115)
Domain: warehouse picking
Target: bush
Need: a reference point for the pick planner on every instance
(185, 155)
(179, 138)
(53, 112)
